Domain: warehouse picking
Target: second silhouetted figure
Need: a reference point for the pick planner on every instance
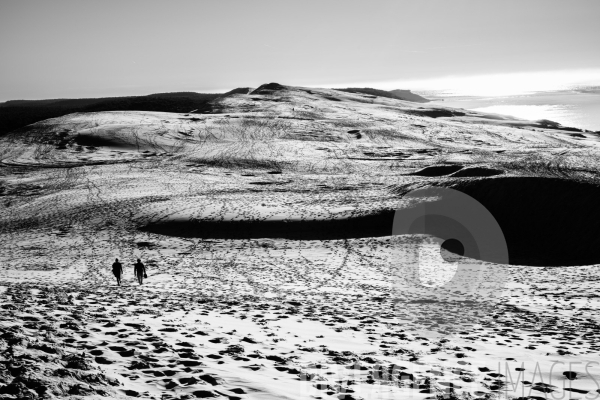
(139, 271)
(117, 270)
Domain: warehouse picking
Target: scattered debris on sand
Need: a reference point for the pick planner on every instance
(264, 222)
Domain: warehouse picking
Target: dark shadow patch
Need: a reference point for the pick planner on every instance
(435, 112)
(374, 225)
(269, 183)
(97, 141)
(438, 170)
(474, 172)
(240, 163)
(146, 245)
(546, 221)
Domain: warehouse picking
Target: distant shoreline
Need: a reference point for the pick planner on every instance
(574, 108)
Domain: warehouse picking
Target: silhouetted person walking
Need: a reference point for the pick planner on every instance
(140, 271)
(117, 270)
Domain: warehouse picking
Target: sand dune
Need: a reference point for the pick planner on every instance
(273, 271)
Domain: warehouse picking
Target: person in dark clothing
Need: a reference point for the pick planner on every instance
(117, 270)
(139, 271)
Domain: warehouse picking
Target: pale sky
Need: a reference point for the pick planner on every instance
(57, 49)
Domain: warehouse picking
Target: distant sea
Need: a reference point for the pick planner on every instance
(579, 108)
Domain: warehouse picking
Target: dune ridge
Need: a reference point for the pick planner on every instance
(262, 224)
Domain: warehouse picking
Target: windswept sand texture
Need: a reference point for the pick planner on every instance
(266, 229)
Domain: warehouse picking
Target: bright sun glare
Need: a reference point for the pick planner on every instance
(506, 84)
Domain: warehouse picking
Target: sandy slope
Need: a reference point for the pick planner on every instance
(242, 300)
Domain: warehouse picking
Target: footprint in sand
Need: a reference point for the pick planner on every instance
(103, 360)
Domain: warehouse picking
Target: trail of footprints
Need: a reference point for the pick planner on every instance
(142, 343)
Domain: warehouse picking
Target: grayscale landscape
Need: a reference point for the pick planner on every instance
(300, 241)
(265, 229)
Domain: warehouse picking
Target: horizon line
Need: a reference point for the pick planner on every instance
(491, 84)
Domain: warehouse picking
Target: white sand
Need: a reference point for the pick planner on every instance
(268, 318)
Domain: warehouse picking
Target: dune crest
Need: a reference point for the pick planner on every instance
(265, 223)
